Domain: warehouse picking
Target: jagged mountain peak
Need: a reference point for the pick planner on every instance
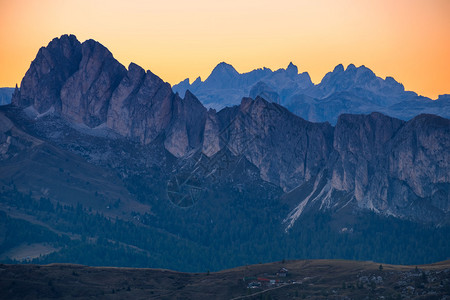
(292, 69)
(189, 96)
(352, 77)
(256, 107)
(338, 69)
(91, 44)
(224, 68)
(84, 84)
(258, 100)
(65, 39)
(222, 76)
(132, 67)
(53, 65)
(197, 80)
(185, 81)
(391, 80)
(247, 102)
(350, 68)
(350, 71)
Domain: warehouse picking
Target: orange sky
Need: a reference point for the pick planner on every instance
(175, 39)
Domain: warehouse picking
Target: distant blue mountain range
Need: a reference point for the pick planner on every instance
(6, 95)
(352, 90)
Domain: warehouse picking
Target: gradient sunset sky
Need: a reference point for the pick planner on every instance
(406, 39)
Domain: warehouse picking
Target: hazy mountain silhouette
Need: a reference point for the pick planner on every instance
(351, 90)
(6, 95)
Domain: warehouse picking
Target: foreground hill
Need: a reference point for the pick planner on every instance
(312, 279)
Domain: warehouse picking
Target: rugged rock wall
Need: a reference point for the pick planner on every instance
(384, 164)
(86, 94)
(87, 86)
(49, 71)
(286, 149)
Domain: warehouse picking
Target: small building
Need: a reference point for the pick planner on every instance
(283, 272)
(254, 285)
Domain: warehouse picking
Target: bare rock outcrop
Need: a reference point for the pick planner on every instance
(286, 149)
(360, 141)
(87, 86)
(419, 157)
(86, 94)
(49, 71)
(141, 107)
(185, 132)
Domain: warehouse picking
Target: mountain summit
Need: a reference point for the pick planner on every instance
(353, 78)
(223, 76)
(87, 86)
(344, 90)
(226, 87)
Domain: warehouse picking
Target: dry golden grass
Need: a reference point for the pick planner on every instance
(318, 279)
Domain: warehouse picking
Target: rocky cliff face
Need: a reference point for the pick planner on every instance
(360, 141)
(372, 161)
(263, 131)
(419, 156)
(87, 86)
(49, 71)
(142, 105)
(86, 94)
(385, 165)
(186, 130)
(392, 166)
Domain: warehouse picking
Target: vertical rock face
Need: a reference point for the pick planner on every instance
(85, 95)
(392, 166)
(120, 111)
(212, 142)
(361, 141)
(263, 132)
(151, 108)
(388, 166)
(53, 65)
(186, 130)
(142, 105)
(420, 154)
